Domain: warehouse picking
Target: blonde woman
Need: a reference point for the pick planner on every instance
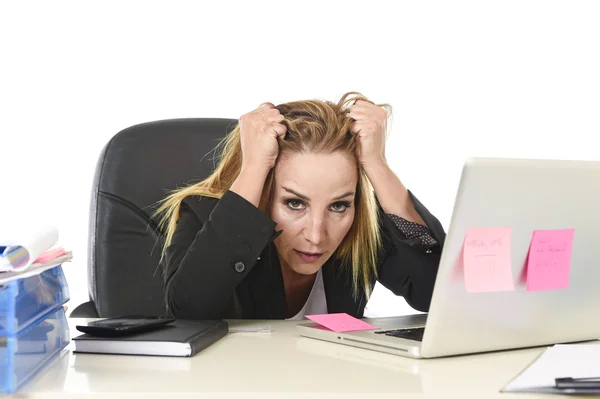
(301, 216)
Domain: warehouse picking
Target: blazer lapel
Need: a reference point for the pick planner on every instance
(266, 286)
(338, 291)
(267, 291)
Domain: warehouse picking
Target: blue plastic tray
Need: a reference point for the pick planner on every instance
(22, 356)
(24, 301)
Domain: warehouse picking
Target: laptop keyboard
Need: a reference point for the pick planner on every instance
(415, 334)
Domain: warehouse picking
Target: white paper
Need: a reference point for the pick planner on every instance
(249, 329)
(34, 240)
(35, 268)
(566, 360)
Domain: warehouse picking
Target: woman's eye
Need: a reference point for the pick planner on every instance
(339, 207)
(295, 204)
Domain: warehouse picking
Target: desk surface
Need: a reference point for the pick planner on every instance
(278, 364)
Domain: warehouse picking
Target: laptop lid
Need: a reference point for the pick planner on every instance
(522, 195)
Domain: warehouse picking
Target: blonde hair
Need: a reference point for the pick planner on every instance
(313, 126)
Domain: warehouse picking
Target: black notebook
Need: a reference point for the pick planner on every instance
(180, 338)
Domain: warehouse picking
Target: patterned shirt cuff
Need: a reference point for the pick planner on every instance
(414, 231)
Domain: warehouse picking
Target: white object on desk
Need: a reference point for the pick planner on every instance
(36, 268)
(34, 239)
(251, 329)
(574, 360)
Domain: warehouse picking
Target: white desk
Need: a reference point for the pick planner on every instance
(275, 365)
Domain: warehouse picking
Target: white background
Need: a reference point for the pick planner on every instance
(465, 78)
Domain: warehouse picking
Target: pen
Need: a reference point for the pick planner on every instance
(578, 383)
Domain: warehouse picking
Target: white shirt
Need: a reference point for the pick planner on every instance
(316, 302)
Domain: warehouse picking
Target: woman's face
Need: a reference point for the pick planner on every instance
(313, 204)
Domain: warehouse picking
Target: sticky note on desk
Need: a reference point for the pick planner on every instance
(340, 322)
(549, 259)
(486, 258)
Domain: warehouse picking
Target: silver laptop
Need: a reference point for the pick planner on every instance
(525, 195)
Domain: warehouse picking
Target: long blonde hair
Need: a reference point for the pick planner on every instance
(313, 126)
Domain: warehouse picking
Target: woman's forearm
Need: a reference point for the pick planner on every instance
(391, 193)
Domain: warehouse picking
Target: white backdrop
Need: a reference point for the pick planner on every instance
(465, 78)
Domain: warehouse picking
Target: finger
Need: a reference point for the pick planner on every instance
(355, 127)
(279, 129)
(267, 105)
(272, 112)
(356, 115)
(364, 104)
(362, 107)
(278, 118)
(370, 111)
(273, 117)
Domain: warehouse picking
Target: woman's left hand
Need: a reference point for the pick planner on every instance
(370, 125)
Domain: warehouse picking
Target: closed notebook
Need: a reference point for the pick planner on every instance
(181, 338)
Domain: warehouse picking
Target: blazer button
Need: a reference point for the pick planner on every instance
(239, 267)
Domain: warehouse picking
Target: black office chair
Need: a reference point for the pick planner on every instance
(135, 170)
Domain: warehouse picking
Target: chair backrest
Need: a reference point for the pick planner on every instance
(135, 170)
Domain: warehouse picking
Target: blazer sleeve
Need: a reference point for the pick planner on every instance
(407, 269)
(211, 252)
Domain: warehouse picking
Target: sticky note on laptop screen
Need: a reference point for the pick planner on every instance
(340, 322)
(549, 259)
(486, 258)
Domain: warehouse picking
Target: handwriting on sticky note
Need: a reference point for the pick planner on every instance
(486, 258)
(340, 322)
(549, 260)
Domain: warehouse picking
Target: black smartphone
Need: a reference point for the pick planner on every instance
(124, 325)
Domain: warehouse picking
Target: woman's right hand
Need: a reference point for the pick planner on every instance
(259, 130)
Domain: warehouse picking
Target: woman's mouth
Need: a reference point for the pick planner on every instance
(308, 256)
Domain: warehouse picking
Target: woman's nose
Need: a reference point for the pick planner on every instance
(314, 231)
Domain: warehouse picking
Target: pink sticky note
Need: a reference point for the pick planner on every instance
(340, 322)
(549, 259)
(50, 254)
(486, 258)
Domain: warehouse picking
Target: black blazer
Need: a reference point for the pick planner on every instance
(222, 263)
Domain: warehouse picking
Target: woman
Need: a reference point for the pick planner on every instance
(301, 216)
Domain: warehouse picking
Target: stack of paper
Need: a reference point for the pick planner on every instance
(560, 361)
(31, 303)
(25, 248)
